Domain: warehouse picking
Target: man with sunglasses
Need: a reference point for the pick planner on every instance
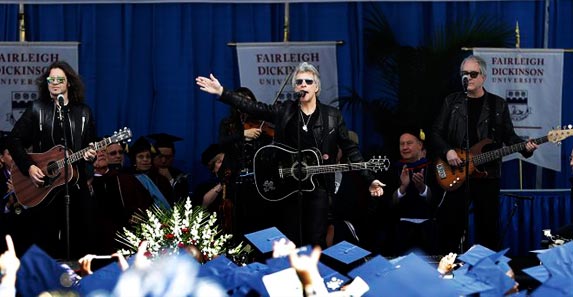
(115, 156)
(47, 122)
(484, 116)
(319, 126)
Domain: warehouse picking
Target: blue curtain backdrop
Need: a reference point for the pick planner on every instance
(139, 61)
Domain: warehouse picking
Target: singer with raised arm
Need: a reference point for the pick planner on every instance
(469, 119)
(319, 126)
(58, 117)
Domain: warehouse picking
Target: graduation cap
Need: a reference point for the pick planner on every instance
(387, 279)
(140, 145)
(558, 262)
(210, 152)
(488, 272)
(264, 239)
(478, 252)
(413, 130)
(346, 252)
(344, 256)
(39, 272)
(103, 279)
(164, 140)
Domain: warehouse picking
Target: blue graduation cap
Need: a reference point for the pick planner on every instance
(539, 273)
(467, 285)
(333, 280)
(478, 252)
(386, 279)
(346, 252)
(281, 263)
(39, 272)
(490, 273)
(249, 278)
(559, 264)
(102, 280)
(264, 239)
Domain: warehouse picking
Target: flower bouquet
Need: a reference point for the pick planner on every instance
(167, 232)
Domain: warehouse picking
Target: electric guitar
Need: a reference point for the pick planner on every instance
(277, 174)
(52, 163)
(451, 178)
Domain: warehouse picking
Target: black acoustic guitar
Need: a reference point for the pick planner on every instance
(277, 174)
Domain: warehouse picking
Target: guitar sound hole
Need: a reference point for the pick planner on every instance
(299, 173)
(52, 169)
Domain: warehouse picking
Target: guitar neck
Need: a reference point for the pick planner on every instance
(319, 169)
(504, 151)
(79, 155)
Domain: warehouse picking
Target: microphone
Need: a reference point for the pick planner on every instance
(518, 196)
(60, 106)
(465, 80)
(300, 93)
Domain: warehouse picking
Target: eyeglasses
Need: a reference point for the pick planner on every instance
(55, 80)
(308, 81)
(113, 153)
(472, 74)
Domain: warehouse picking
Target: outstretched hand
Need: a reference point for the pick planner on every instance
(376, 189)
(210, 84)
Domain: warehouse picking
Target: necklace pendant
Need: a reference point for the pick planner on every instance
(305, 128)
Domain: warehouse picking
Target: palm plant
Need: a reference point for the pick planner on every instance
(411, 82)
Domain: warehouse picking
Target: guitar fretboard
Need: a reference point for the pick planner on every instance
(79, 155)
(504, 151)
(330, 168)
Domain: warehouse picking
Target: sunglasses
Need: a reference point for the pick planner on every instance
(472, 74)
(55, 80)
(113, 153)
(308, 81)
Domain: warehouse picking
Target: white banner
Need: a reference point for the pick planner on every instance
(264, 66)
(531, 81)
(20, 64)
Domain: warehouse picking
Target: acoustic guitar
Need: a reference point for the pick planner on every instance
(277, 174)
(52, 163)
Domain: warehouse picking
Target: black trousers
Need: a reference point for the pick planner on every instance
(303, 223)
(454, 211)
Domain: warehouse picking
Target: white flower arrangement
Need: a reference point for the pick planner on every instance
(183, 227)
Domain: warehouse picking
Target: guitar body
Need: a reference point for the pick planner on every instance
(451, 178)
(26, 191)
(275, 170)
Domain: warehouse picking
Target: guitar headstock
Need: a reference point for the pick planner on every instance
(123, 135)
(556, 136)
(379, 163)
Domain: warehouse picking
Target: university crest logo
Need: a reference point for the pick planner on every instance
(517, 102)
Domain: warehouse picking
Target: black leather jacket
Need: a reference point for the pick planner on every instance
(35, 129)
(449, 129)
(329, 129)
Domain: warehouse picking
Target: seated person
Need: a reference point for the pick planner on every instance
(412, 198)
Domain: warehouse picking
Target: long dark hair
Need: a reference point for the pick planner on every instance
(230, 123)
(75, 85)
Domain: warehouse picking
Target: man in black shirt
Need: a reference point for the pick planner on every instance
(486, 116)
(319, 126)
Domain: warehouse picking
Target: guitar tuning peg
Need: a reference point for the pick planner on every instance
(569, 126)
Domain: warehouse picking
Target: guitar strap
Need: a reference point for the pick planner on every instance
(37, 109)
(491, 128)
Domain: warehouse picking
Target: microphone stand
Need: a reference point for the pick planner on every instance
(513, 211)
(299, 172)
(66, 175)
(467, 170)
